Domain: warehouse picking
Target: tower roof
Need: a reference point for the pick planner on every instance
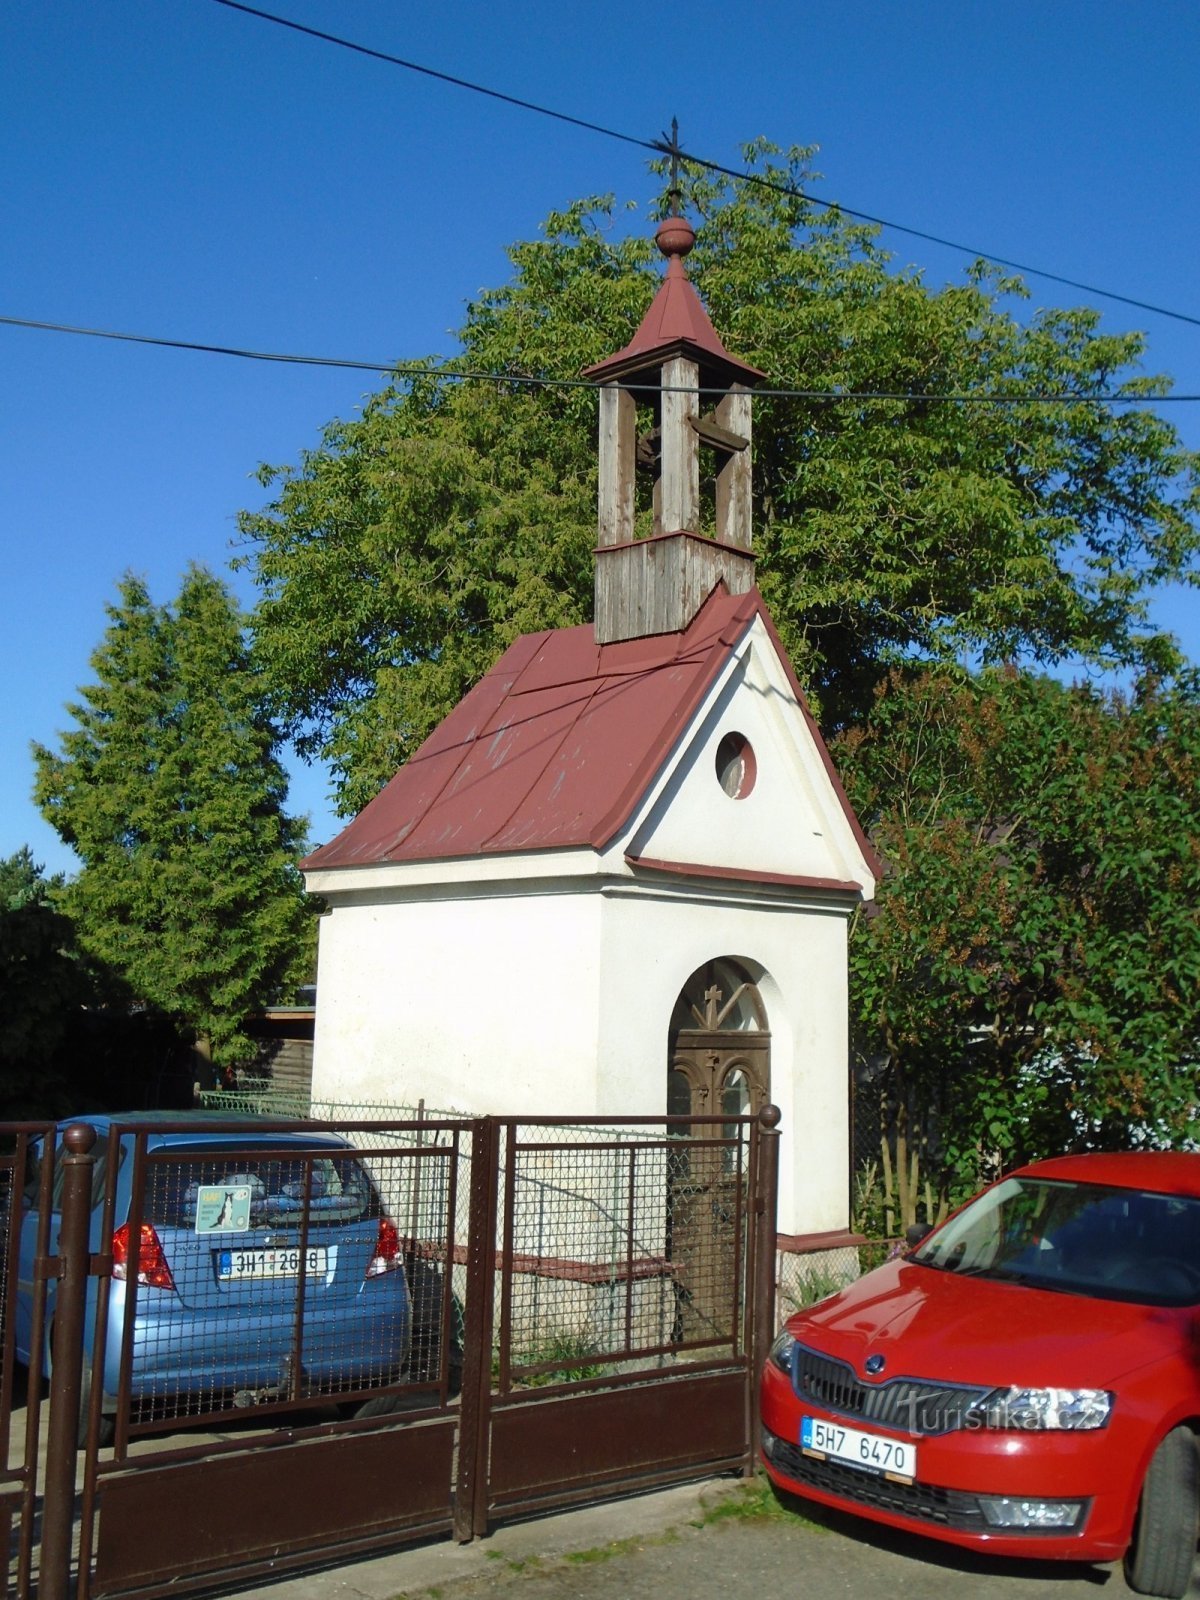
(676, 321)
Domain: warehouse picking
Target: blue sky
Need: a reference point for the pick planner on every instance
(186, 171)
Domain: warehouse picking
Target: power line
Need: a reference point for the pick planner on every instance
(950, 244)
(442, 77)
(207, 349)
(661, 147)
(445, 374)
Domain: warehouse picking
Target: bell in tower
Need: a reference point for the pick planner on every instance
(678, 376)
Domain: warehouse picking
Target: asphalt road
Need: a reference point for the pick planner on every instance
(684, 1544)
(710, 1541)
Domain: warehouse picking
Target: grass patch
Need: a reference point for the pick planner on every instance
(604, 1552)
(514, 1564)
(562, 1359)
(755, 1500)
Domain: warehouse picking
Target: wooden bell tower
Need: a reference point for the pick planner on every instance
(676, 376)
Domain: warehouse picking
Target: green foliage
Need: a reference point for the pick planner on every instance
(1028, 980)
(560, 1358)
(398, 559)
(753, 1500)
(815, 1285)
(41, 980)
(169, 790)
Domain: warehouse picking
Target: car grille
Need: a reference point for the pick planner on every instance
(909, 1405)
(926, 1502)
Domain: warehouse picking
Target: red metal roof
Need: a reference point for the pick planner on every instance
(676, 320)
(555, 747)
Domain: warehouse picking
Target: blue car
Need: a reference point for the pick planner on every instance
(265, 1264)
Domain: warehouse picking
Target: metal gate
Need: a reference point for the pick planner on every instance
(233, 1353)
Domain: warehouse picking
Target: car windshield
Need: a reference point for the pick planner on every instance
(275, 1187)
(1078, 1238)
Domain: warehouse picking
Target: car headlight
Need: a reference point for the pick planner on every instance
(782, 1350)
(1036, 1409)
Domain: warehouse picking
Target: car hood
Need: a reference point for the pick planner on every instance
(928, 1323)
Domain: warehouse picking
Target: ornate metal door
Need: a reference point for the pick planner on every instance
(719, 1066)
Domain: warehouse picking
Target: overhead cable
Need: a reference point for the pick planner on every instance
(447, 374)
(661, 147)
(442, 77)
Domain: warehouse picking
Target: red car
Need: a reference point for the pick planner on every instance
(1026, 1380)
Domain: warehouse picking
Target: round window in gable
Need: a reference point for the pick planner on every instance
(736, 767)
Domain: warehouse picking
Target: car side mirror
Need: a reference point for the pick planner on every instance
(916, 1232)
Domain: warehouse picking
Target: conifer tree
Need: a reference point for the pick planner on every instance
(169, 788)
(41, 980)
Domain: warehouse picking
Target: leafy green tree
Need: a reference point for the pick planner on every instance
(41, 979)
(398, 559)
(1028, 979)
(169, 789)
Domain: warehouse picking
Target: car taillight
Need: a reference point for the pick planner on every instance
(152, 1269)
(386, 1256)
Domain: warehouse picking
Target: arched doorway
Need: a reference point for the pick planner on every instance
(719, 1064)
(720, 1048)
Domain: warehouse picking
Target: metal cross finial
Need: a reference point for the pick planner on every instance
(671, 146)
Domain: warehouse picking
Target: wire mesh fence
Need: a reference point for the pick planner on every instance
(620, 1242)
(622, 1248)
(260, 1274)
(289, 1273)
(572, 1223)
(266, 1268)
(296, 1262)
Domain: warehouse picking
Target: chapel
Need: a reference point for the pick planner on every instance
(617, 879)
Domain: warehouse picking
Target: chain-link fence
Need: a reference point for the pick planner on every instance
(571, 1214)
(620, 1240)
(804, 1279)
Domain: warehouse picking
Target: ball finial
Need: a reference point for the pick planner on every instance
(675, 236)
(79, 1138)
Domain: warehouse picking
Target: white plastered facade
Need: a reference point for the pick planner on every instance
(544, 983)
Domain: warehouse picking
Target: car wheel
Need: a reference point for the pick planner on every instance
(1163, 1552)
(425, 1283)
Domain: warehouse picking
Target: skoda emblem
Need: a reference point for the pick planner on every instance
(875, 1365)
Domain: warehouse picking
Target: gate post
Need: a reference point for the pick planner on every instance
(471, 1486)
(62, 1435)
(766, 1203)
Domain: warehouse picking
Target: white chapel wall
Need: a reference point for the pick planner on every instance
(559, 1004)
(652, 945)
(482, 1003)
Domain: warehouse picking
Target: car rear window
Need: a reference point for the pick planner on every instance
(33, 1174)
(283, 1184)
